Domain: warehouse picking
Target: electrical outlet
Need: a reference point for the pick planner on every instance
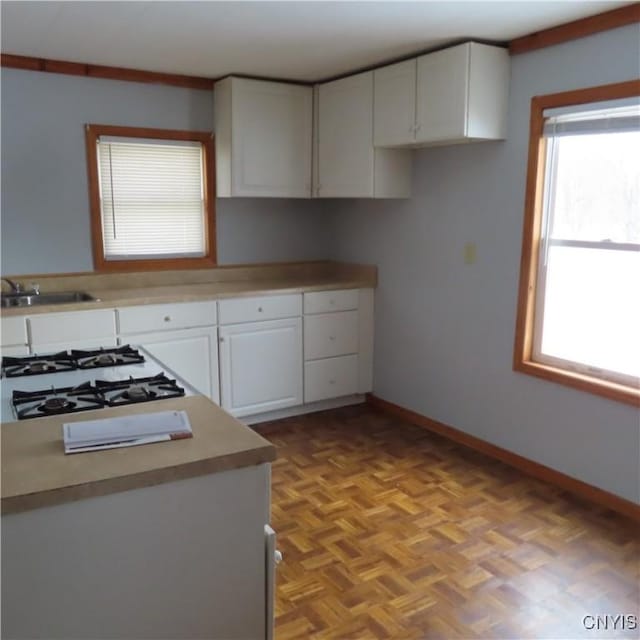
(470, 253)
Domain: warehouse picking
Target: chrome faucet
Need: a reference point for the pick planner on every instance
(16, 287)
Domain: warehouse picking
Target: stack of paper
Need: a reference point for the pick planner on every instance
(125, 431)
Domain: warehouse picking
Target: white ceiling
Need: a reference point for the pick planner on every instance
(296, 40)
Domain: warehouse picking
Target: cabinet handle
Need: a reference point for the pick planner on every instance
(167, 318)
(418, 126)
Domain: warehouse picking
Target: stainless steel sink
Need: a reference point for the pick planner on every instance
(32, 299)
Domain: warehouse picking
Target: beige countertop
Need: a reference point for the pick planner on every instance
(37, 473)
(116, 290)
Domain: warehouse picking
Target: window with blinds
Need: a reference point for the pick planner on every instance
(588, 307)
(579, 308)
(151, 198)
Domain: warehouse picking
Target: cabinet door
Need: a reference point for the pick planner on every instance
(272, 129)
(191, 354)
(441, 110)
(97, 326)
(394, 104)
(42, 348)
(261, 366)
(345, 137)
(15, 350)
(13, 331)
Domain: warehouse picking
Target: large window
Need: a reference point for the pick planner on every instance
(151, 198)
(579, 308)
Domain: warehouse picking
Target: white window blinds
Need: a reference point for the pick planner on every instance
(151, 198)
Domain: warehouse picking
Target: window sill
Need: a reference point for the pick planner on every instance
(611, 390)
(161, 264)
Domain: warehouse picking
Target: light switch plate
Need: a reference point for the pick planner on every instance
(470, 253)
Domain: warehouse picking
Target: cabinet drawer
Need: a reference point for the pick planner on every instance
(159, 317)
(330, 378)
(13, 330)
(326, 301)
(73, 326)
(260, 308)
(330, 334)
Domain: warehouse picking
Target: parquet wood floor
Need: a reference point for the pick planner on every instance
(389, 531)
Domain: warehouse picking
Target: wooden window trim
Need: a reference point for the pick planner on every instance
(576, 29)
(523, 347)
(92, 133)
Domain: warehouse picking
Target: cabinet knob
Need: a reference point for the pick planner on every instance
(221, 339)
(167, 318)
(332, 337)
(332, 301)
(260, 309)
(332, 381)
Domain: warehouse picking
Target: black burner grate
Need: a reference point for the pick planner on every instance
(52, 401)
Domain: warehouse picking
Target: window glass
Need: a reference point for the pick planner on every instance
(597, 186)
(151, 199)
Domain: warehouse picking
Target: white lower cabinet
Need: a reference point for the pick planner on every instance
(182, 336)
(330, 378)
(13, 336)
(15, 350)
(338, 344)
(192, 354)
(261, 366)
(50, 332)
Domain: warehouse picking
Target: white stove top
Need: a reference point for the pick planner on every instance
(61, 379)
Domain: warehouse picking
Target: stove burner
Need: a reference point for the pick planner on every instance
(138, 392)
(122, 392)
(13, 367)
(36, 404)
(40, 367)
(55, 405)
(107, 357)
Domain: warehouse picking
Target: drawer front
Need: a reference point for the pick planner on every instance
(13, 330)
(327, 301)
(14, 351)
(330, 378)
(330, 334)
(160, 317)
(73, 326)
(259, 308)
(86, 343)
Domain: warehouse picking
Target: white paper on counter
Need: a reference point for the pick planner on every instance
(125, 431)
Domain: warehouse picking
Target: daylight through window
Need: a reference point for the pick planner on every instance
(584, 305)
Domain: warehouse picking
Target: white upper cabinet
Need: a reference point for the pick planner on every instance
(394, 104)
(460, 94)
(347, 165)
(263, 133)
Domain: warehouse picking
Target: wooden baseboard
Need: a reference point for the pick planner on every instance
(535, 469)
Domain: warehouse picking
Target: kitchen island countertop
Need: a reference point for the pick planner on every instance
(37, 473)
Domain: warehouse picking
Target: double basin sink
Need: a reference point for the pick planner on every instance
(34, 299)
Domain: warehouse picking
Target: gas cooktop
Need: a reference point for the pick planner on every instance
(59, 383)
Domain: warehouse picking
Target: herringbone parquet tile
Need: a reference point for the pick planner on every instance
(389, 531)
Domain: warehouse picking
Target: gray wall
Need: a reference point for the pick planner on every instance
(45, 204)
(445, 330)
